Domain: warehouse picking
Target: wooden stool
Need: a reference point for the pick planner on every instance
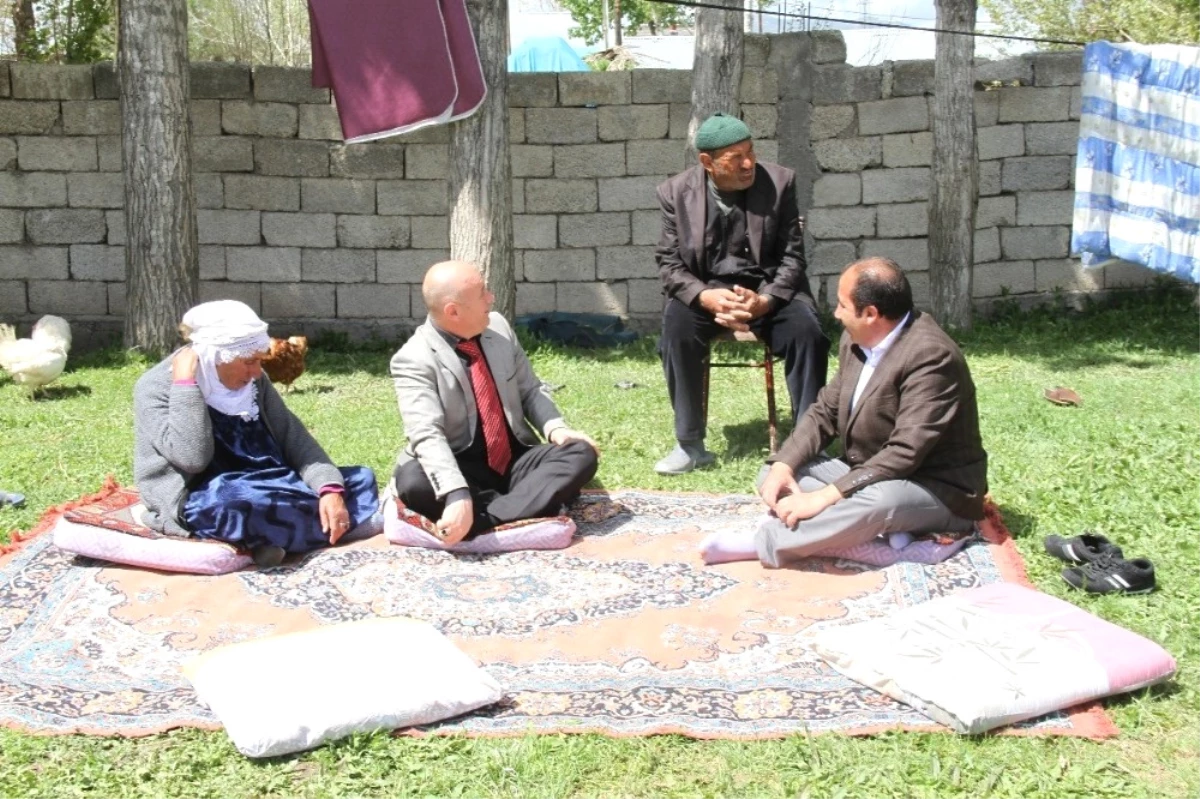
(767, 364)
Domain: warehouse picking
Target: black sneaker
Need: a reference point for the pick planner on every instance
(1080, 549)
(1112, 575)
(268, 556)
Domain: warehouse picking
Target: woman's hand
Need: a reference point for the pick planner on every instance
(335, 519)
(184, 365)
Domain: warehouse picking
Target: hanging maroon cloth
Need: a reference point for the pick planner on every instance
(395, 66)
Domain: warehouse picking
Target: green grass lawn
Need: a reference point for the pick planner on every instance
(1124, 464)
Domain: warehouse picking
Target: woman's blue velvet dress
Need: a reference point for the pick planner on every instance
(248, 496)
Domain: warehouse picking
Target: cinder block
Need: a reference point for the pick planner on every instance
(116, 298)
(28, 117)
(629, 194)
(39, 263)
(220, 80)
(560, 125)
(374, 232)
(1004, 277)
(531, 160)
(850, 222)
(97, 262)
(535, 298)
(839, 83)
(532, 89)
(908, 149)
(319, 122)
(104, 81)
(611, 298)
(893, 116)
(911, 254)
(12, 226)
(1052, 138)
(212, 262)
(222, 154)
(1028, 104)
(210, 191)
(336, 195)
(430, 232)
(1037, 173)
(406, 266)
(299, 230)
(91, 117)
(13, 301)
(589, 160)
(1020, 243)
(645, 296)
(115, 221)
(8, 155)
(767, 150)
(987, 108)
(1045, 208)
(299, 301)
(619, 263)
(759, 86)
(1076, 103)
(912, 78)
(372, 160)
(426, 161)
(662, 86)
(96, 190)
(291, 157)
(249, 293)
(545, 266)
(261, 193)
(205, 116)
(904, 220)
(535, 232)
(661, 157)
(358, 301)
(518, 196)
(108, 154)
(989, 178)
(65, 226)
(516, 125)
(1066, 274)
(32, 189)
(337, 266)
(286, 85)
(228, 227)
(274, 120)
(837, 189)
(647, 226)
(593, 230)
(559, 196)
(755, 50)
(831, 257)
(56, 153)
(430, 134)
(1058, 68)
(68, 298)
(680, 120)
(827, 47)
(848, 155)
(1000, 141)
(761, 119)
(411, 197)
(832, 122)
(625, 122)
(267, 264)
(987, 245)
(594, 88)
(1016, 71)
(996, 211)
(51, 81)
(895, 185)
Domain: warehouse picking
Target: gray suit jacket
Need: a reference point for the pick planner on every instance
(772, 225)
(917, 420)
(437, 404)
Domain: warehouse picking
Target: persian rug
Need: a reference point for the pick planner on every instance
(625, 632)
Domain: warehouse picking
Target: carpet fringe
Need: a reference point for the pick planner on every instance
(17, 539)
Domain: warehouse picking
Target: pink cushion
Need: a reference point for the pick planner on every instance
(165, 553)
(407, 528)
(878, 552)
(993, 655)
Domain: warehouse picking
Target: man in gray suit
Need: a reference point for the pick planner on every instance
(903, 405)
(467, 397)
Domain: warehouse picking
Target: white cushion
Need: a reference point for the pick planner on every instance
(409, 529)
(164, 553)
(291, 692)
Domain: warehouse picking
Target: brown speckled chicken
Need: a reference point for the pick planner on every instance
(285, 361)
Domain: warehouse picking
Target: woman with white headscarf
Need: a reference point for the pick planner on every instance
(218, 455)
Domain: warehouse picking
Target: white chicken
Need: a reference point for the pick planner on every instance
(39, 359)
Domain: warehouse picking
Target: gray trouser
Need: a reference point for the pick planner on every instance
(889, 506)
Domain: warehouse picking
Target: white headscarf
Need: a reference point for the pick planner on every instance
(222, 332)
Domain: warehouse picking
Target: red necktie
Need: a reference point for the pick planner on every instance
(491, 412)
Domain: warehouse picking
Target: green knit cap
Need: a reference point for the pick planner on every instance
(720, 130)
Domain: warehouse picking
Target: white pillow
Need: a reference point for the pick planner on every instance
(161, 552)
(291, 692)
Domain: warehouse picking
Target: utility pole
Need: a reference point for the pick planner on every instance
(604, 16)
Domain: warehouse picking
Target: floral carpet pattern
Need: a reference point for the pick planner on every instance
(626, 632)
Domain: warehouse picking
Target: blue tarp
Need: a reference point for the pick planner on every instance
(545, 54)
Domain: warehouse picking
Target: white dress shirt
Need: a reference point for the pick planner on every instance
(874, 355)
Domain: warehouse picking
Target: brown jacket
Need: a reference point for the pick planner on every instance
(916, 420)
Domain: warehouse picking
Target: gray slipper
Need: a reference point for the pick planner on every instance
(9, 498)
(682, 461)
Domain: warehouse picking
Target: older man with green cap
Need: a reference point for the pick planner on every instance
(731, 257)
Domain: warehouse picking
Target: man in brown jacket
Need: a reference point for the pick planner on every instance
(903, 405)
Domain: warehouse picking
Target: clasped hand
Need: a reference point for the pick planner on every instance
(783, 496)
(734, 308)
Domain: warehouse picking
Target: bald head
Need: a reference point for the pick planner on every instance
(457, 298)
(880, 282)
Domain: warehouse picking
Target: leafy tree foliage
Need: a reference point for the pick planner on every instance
(70, 32)
(1142, 21)
(629, 16)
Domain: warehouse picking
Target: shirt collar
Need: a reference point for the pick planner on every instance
(875, 354)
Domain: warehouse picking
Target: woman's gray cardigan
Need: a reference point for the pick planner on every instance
(173, 443)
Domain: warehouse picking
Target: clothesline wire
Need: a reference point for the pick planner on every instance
(978, 34)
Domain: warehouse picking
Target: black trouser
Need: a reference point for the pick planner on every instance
(540, 481)
(792, 330)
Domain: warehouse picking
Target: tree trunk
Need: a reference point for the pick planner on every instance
(161, 264)
(23, 25)
(617, 22)
(717, 74)
(480, 187)
(955, 173)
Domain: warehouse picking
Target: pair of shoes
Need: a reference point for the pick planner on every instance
(683, 459)
(9, 498)
(1100, 567)
(1081, 548)
(268, 556)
